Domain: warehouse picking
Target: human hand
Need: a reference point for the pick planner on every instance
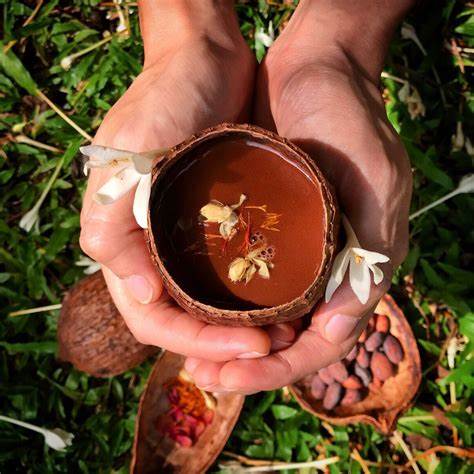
(320, 91)
(198, 72)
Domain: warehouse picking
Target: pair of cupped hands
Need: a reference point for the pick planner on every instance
(307, 90)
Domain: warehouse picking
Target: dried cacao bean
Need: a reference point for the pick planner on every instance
(393, 350)
(352, 354)
(374, 341)
(318, 388)
(382, 323)
(338, 372)
(381, 367)
(333, 395)
(351, 396)
(326, 376)
(364, 374)
(363, 357)
(352, 382)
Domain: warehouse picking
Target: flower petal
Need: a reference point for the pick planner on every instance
(350, 234)
(242, 198)
(103, 156)
(141, 200)
(262, 268)
(250, 272)
(117, 186)
(378, 274)
(142, 162)
(30, 218)
(215, 212)
(237, 269)
(371, 257)
(338, 271)
(359, 278)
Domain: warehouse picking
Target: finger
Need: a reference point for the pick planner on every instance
(164, 324)
(281, 335)
(315, 348)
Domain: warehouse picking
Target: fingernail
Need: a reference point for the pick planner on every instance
(339, 328)
(140, 288)
(251, 355)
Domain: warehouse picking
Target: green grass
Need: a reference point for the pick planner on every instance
(434, 285)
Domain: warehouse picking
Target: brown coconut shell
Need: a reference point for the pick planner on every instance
(382, 406)
(92, 334)
(155, 452)
(262, 316)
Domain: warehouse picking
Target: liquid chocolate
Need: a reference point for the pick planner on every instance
(282, 217)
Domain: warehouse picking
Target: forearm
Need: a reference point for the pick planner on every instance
(361, 28)
(182, 20)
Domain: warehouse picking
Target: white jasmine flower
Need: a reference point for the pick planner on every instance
(134, 169)
(466, 185)
(56, 438)
(224, 215)
(91, 266)
(410, 96)
(360, 263)
(244, 268)
(263, 37)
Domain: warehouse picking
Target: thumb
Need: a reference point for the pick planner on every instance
(111, 236)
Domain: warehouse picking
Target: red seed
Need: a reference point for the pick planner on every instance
(333, 395)
(363, 357)
(363, 373)
(318, 388)
(351, 396)
(381, 367)
(184, 441)
(326, 376)
(374, 341)
(393, 350)
(382, 323)
(199, 429)
(208, 416)
(352, 354)
(338, 371)
(352, 382)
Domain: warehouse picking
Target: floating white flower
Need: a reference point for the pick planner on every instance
(224, 215)
(466, 185)
(91, 266)
(360, 262)
(134, 169)
(244, 268)
(56, 438)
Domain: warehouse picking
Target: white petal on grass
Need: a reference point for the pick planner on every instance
(117, 186)
(56, 438)
(466, 185)
(359, 279)
(141, 199)
(30, 218)
(91, 266)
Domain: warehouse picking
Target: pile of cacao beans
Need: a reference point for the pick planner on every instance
(372, 361)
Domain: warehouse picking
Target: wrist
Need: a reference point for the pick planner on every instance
(175, 22)
(360, 29)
